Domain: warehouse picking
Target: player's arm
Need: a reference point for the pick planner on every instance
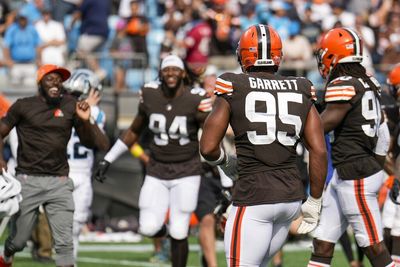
(83, 127)
(126, 140)
(339, 95)
(90, 134)
(334, 114)
(201, 117)
(315, 143)
(97, 118)
(101, 140)
(214, 130)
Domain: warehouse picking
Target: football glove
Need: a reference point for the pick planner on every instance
(310, 211)
(221, 211)
(229, 167)
(100, 172)
(394, 191)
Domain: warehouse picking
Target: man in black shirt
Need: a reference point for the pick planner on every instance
(44, 123)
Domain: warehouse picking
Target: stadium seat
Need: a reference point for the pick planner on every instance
(134, 79)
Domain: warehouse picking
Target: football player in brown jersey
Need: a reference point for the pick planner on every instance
(269, 115)
(391, 211)
(353, 113)
(174, 113)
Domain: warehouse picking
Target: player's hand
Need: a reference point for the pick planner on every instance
(221, 222)
(394, 191)
(3, 166)
(100, 173)
(83, 110)
(310, 211)
(93, 98)
(229, 167)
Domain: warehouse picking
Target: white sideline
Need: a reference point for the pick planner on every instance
(101, 261)
(112, 247)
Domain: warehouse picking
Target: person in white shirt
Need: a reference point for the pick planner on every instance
(52, 34)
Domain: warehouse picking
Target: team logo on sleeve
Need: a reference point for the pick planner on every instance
(58, 113)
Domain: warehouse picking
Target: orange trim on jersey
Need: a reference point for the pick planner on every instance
(222, 87)
(236, 237)
(338, 95)
(222, 84)
(336, 90)
(347, 90)
(221, 91)
(365, 212)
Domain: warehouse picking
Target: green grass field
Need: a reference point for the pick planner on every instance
(97, 258)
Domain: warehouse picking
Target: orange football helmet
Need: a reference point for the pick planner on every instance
(259, 45)
(393, 80)
(339, 45)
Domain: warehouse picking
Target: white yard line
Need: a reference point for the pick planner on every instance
(297, 246)
(102, 261)
(113, 247)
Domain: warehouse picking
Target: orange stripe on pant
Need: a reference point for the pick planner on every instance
(365, 212)
(235, 239)
(314, 265)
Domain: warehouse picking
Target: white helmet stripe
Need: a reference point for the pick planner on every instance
(357, 41)
(263, 42)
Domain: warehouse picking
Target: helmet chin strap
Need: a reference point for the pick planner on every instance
(52, 101)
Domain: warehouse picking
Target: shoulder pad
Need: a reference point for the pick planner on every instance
(223, 85)
(375, 81)
(342, 79)
(152, 84)
(340, 89)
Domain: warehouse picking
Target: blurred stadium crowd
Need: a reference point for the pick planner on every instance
(123, 41)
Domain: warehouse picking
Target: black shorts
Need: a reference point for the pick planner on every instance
(209, 193)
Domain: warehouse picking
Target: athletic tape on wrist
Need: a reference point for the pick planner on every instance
(117, 150)
(220, 159)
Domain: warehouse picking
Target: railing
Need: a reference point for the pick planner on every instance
(121, 108)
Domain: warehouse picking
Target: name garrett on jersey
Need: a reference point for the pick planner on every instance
(269, 84)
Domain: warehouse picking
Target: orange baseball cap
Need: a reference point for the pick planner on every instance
(49, 68)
